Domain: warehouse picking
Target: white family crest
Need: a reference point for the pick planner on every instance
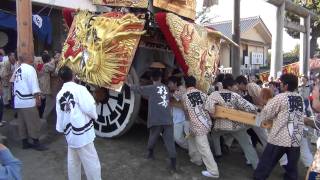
(37, 20)
(163, 94)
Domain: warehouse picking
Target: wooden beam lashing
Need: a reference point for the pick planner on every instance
(294, 26)
(24, 30)
(238, 116)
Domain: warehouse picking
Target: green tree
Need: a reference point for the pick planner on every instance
(292, 56)
(296, 50)
(313, 5)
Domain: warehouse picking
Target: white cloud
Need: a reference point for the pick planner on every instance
(224, 11)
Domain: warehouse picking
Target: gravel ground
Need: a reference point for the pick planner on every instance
(124, 159)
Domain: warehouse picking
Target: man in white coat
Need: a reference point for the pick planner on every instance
(26, 93)
(76, 111)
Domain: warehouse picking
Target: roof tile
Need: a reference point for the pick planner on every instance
(225, 27)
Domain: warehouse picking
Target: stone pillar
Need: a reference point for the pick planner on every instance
(265, 55)
(304, 47)
(235, 53)
(277, 43)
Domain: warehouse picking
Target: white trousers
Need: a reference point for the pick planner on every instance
(180, 135)
(199, 150)
(88, 157)
(244, 141)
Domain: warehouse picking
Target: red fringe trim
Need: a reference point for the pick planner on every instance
(68, 15)
(162, 22)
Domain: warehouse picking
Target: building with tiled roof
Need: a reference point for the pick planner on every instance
(254, 45)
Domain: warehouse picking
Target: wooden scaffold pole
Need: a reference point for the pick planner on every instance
(25, 46)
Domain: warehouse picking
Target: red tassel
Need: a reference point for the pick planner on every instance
(68, 15)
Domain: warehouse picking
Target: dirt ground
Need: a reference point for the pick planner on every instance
(124, 159)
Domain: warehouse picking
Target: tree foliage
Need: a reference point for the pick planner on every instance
(313, 5)
(292, 56)
(203, 17)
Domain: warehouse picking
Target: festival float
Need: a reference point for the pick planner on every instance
(314, 65)
(123, 42)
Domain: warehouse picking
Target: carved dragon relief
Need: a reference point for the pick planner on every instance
(100, 49)
(199, 47)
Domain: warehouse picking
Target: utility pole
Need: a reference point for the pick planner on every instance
(235, 52)
(24, 30)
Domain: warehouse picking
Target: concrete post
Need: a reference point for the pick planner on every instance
(277, 43)
(235, 53)
(304, 47)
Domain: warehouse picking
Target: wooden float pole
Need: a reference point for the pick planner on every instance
(25, 46)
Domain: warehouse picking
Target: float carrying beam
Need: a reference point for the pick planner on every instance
(238, 116)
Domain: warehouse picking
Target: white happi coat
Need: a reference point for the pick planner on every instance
(76, 111)
(286, 112)
(25, 86)
(228, 99)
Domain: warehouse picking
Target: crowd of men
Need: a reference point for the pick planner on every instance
(282, 103)
(26, 89)
(31, 91)
(178, 112)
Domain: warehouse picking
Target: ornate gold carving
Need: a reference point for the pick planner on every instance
(185, 8)
(123, 3)
(100, 49)
(199, 48)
